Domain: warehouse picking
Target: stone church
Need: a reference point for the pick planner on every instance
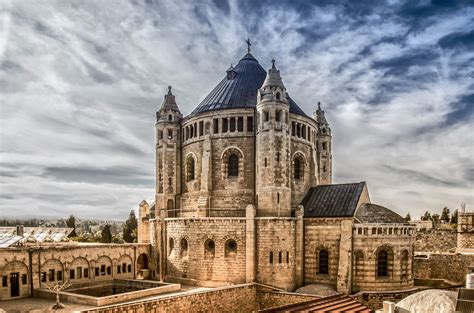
(244, 193)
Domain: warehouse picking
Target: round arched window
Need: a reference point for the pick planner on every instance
(231, 245)
(233, 165)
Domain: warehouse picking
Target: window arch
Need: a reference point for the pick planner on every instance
(233, 165)
(278, 96)
(209, 248)
(230, 248)
(184, 247)
(382, 264)
(298, 167)
(190, 168)
(323, 265)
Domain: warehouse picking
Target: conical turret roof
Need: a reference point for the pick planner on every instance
(239, 90)
(169, 102)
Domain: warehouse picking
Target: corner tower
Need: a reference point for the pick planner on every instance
(168, 154)
(272, 147)
(323, 147)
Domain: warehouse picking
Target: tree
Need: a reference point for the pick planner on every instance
(71, 223)
(426, 217)
(106, 234)
(445, 215)
(454, 217)
(435, 218)
(408, 217)
(130, 228)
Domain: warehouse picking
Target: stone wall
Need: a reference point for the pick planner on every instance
(375, 299)
(40, 266)
(241, 298)
(466, 230)
(436, 240)
(449, 266)
(271, 299)
(203, 249)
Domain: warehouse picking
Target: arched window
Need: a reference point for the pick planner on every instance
(190, 168)
(298, 168)
(209, 248)
(271, 257)
(278, 96)
(230, 248)
(404, 264)
(279, 257)
(184, 247)
(323, 262)
(170, 117)
(287, 257)
(382, 264)
(233, 165)
(171, 245)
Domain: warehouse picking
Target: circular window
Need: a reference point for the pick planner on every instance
(231, 245)
(210, 245)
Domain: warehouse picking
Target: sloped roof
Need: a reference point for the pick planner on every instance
(240, 90)
(338, 200)
(373, 213)
(9, 237)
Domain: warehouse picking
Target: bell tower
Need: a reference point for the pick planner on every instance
(323, 147)
(168, 142)
(272, 147)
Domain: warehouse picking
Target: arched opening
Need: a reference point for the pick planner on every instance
(103, 267)
(278, 96)
(382, 264)
(190, 168)
(323, 265)
(298, 168)
(171, 245)
(79, 267)
(271, 257)
(233, 166)
(287, 257)
(209, 248)
(170, 117)
(142, 262)
(404, 264)
(15, 278)
(124, 266)
(184, 247)
(52, 270)
(230, 248)
(280, 257)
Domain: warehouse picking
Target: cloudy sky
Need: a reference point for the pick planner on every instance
(81, 81)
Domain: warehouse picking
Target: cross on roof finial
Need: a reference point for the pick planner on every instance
(273, 64)
(248, 45)
(169, 90)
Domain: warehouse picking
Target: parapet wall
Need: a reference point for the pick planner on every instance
(449, 266)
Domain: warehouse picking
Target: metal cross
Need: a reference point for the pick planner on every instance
(248, 45)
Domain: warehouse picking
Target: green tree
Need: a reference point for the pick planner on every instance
(106, 234)
(426, 217)
(445, 215)
(408, 217)
(435, 218)
(454, 217)
(71, 223)
(130, 228)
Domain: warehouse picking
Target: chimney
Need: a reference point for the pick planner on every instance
(20, 230)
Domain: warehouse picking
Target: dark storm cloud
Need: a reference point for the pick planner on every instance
(81, 82)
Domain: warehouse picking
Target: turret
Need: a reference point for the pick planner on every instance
(323, 146)
(168, 141)
(272, 147)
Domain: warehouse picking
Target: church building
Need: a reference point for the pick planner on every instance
(244, 193)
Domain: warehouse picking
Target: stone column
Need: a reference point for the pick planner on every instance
(299, 247)
(344, 274)
(250, 244)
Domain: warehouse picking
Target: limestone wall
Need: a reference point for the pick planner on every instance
(276, 251)
(466, 230)
(449, 266)
(271, 299)
(190, 254)
(40, 266)
(436, 240)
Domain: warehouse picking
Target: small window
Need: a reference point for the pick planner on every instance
(170, 118)
(201, 128)
(171, 242)
(24, 279)
(265, 162)
(287, 257)
(59, 275)
(230, 247)
(184, 247)
(225, 125)
(279, 257)
(232, 124)
(240, 124)
(109, 270)
(324, 169)
(382, 264)
(303, 131)
(278, 96)
(190, 168)
(323, 262)
(233, 166)
(51, 275)
(278, 115)
(160, 134)
(271, 257)
(293, 128)
(119, 269)
(324, 145)
(4, 281)
(124, 267)
(102, 270)
(250, 123)
(298, 168)
(278, 197)
(170, 134)
(266, 116)
(278, 156)
(210, 247)
(215, 125)
(79, 272)
(72, 274)
(129, 268)
(96, 271)
(86, 273)
(169, 181)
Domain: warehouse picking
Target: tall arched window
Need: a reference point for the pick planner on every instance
(404, 264)
(298, 168)
(271, 257)
(233, 165)
(190, 168)
(382, 264)
(280, 258)
(323, 267)
(184, 247)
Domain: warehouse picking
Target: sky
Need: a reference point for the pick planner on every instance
(81, 82)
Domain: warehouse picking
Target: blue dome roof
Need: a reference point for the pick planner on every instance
(239, 89)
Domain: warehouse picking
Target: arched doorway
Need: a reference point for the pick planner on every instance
(143, 267)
